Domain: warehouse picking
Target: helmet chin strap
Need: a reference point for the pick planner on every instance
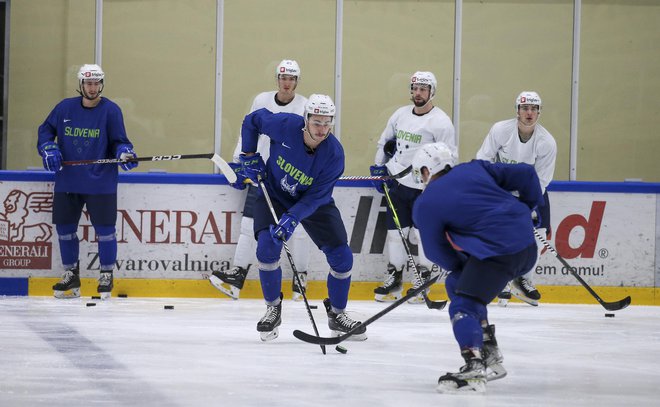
(84, 94)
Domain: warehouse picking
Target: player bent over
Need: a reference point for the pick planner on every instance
(471, 206)
(306, 160)
(91, 186)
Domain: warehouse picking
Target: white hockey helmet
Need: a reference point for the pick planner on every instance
(528, 98)
(320, 105)
(424, 78)
(288, 67)
(90, 72)
(435, 157)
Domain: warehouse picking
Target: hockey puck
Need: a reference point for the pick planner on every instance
(313, 306)
(122, 296)
(96, 297)
(341, 349)
(609, 315)
(169, 307)
(91, 304)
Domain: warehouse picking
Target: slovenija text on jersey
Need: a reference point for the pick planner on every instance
(294, 172)
(78, 132)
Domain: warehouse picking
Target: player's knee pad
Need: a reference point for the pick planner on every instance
(340, 258)
(462, 306)
(67, 231)
(268, 251)
(247, 227)
(396, 250)
(450, 285)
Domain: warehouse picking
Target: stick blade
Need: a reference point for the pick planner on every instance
(224, 168)
(618, 305)
(317, 340)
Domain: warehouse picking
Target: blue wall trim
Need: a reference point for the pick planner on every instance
(217, 179)
(13, 286)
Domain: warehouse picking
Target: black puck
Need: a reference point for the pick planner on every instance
(169, 307)
(91, 304)
(609, 315)
(122, 296)
(341, 349)
(313, 306)
(96, 297)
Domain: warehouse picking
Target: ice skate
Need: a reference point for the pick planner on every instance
(523, 289)
(69, 285)
(340, 323)
(105, 285)
(471, 378)
(269, 323)
(392, 288)
(492, 356)
(417, 282)
(504, 297)
(229, 282)
(297, 291)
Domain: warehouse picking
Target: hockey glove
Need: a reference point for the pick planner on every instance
(253, 166)
(51, 156)
(284, 228)
(536, 218)
(379, 171)
(125, 153)
(390, 148)
(240, 183)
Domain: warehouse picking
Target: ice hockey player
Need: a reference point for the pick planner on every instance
(87, 127)
(285, 99)
(306, 160)
(524, 140)
(470, 206)
(409, 128)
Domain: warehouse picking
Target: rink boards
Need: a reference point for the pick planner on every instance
(174, 230)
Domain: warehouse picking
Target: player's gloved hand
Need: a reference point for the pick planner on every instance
(240, 183)
(51, 156)
(285, 227)
(253, 166)
(380, 171)
(390, 148)
(536, 218)
(125, 153)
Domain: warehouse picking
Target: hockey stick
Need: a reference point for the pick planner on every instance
(610, 306)
(430, 304)
(318, 340)
(374, 178)
(217, 160)
(290, 257)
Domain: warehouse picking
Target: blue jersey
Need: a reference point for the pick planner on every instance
(297, 178)
(473, 205)
(85, 134)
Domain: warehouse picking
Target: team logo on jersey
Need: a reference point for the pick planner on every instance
(24, 236)
(291, 189)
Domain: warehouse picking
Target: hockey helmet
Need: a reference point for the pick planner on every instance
(435, 157)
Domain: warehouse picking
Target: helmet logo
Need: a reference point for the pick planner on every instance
(282, 69)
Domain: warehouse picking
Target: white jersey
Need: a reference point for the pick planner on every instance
(267, 100)
(411, 132)
(503, 145)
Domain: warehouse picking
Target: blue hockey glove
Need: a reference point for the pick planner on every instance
(284, 228)
(240, 178)
(379, 171)
(253, 166)
(536, 218)
(51, 156)
(125, 153)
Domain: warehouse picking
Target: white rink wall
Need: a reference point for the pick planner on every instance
(185, 226)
